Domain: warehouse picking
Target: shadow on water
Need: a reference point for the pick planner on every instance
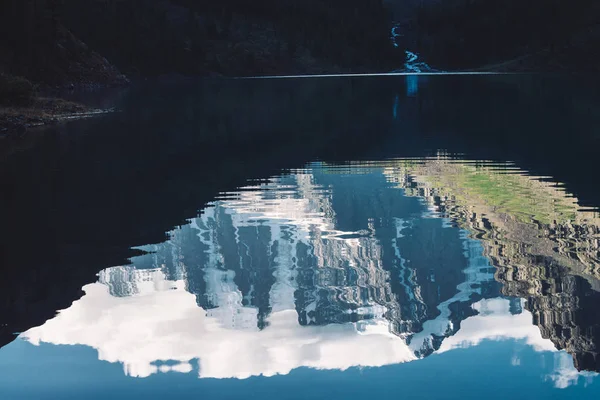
(89, 191)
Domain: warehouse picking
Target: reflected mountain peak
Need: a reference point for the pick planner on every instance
(331, 269)
(306, 238)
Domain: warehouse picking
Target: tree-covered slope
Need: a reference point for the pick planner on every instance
(48, 39)
(470, 34)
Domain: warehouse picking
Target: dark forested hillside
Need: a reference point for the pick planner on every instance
(35, 43)
(467, 34)
(192, 37)
(237, 37)
(68, 42)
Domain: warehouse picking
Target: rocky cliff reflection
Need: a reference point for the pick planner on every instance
(366, 264)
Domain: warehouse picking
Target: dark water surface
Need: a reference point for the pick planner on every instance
(393, 237)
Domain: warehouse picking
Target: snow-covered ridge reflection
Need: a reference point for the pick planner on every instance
(167, 325)
(495, 321)
(321, 268)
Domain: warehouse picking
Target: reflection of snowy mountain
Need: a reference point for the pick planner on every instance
(145, 331)
(335, 247)
(323, 268)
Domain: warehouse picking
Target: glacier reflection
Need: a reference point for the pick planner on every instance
(168, 325)
(327, 268)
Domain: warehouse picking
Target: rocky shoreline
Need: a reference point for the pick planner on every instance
(16, 121)
(19, 126)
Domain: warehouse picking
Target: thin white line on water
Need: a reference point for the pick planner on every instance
(374, 74)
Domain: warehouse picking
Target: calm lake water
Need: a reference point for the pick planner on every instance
(392, 237)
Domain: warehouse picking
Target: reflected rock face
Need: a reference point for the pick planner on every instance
(328, 268)
(335, 247)
(564, 307)
(544, 247)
